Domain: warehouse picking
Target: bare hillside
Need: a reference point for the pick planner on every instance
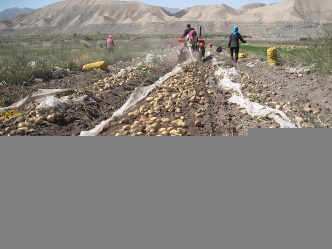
(96, 12)
(293, 10)
(251, 6)
(287, 19)
(210, 13)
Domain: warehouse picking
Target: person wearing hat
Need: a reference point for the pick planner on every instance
(234, 44)
(110, 43)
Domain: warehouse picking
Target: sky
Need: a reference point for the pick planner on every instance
(34, 4)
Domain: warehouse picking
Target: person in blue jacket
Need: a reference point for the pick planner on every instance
(234, 43)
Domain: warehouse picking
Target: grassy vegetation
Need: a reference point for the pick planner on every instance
(75, 50)
(319, 55)
(15, 58)
(80, 37)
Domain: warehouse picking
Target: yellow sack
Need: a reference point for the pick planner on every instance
(95, 65)
(272, 56)
(242, 55)
(10, 113)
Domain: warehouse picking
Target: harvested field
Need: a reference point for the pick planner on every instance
(181, 100)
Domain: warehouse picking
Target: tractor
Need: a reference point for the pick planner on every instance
(190, 51)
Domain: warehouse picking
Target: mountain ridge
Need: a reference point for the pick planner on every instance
(295, 17)
(11, 13)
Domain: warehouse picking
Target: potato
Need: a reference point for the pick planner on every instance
(107, 86)
(164, 133)
(23, 129)
(131, 114)
(23, 124)
(162, 129)
(126, 127)
(38, 120)
(165, 120)
(126, 133)
(33, 113)
(137, 123)
(198, 123)
(182, 131)
(299, 119)
(174, 133)
(169, 128)
(51, 118)
(156, 107)
(181, 124)
(152, 130)
(142, 109)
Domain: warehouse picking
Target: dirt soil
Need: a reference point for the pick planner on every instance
(190, 103)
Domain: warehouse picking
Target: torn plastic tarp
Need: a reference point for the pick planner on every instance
(62, 103)
(300, 69)
(41, 93)
(137, 95)
(252, 108)
(258, 110)
(253, 64)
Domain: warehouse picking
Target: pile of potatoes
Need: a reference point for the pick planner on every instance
(25, 123)
(266, 96)
(122, 77)
(161, 114)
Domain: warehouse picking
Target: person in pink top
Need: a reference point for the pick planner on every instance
(192, 38)
(110, 43)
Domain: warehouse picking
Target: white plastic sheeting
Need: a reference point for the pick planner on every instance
(255, 63)
(40, 94)
(61, 103)
(44, 98)
(137, 95)
(301, 69)
(252, 108)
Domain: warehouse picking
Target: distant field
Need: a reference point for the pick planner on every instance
(68, 54)
(73, 51)
(292, 53)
